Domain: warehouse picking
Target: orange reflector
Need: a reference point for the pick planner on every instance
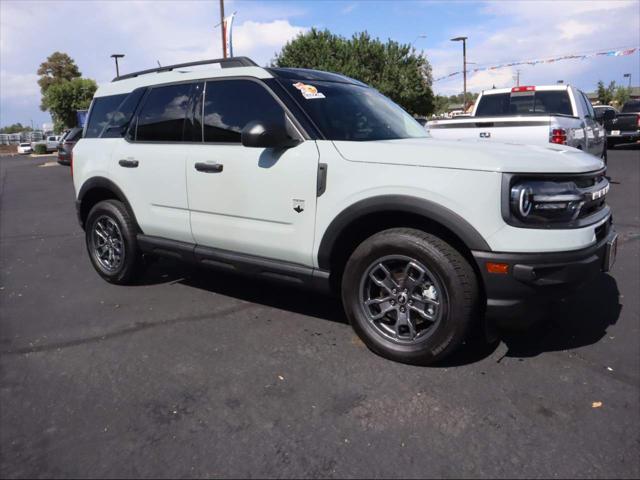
(500, 268)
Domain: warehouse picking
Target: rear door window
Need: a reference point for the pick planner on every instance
(162, 116)
(102, 111)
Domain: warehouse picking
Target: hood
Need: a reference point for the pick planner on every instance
(472, 155)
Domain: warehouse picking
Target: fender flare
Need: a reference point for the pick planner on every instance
(103, 183)
(398, 203)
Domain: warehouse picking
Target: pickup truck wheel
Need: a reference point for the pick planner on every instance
(409, 295)
(111, 242)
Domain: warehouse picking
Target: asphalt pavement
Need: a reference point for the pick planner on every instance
(192, 373)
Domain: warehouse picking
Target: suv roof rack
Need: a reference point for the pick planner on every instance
(224, 63)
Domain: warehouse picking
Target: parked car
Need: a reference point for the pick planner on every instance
(24, 148)
(65, 149)
(536, 115)
(625, 127)
(315, 179)
(51, 142)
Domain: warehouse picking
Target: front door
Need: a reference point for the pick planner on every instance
(254, 201)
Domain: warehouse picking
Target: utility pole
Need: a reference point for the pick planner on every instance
(222, 30)
(464, 69)
(628, 75)
(517, 78)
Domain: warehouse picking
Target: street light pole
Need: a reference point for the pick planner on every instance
(222, 30)
(628, 75)
(464, 69)
(116, 56)
(422, 35)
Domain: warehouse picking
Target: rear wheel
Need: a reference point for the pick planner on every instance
(409, 295)
(110, 236)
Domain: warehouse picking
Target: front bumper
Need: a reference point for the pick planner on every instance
(532, 279)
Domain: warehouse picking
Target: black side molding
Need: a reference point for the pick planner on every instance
(322, 179)
(399, 203)
(244, 264)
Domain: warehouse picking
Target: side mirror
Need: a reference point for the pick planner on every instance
(276, 135)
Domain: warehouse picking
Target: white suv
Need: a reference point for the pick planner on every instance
(315, 179)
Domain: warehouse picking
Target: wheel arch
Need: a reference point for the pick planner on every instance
(97, 189)
(367, 217)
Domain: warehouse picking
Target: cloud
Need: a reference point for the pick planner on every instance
(19, 86)
(349, 8)
(572, 29)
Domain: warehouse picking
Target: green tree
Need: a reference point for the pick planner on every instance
(440, 104)
(606, 94)
(15, 128)
(622, 95)
(57, 68)
(394, 69)
(63, 99)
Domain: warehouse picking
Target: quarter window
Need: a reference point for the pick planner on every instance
(162, 117)
(102, 111)
(230, 104)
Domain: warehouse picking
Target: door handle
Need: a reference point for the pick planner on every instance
(209, 167)
(128, 163)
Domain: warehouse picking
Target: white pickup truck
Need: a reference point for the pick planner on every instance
(51, 142)
(535, 115)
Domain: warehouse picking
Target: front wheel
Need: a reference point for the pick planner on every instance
(110, 236)
(409, 295)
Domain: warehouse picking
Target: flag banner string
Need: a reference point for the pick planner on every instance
(606, 53)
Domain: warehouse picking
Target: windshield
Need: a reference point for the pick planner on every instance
(551, 102)
(345, 111)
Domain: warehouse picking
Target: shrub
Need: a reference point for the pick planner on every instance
(40, 149)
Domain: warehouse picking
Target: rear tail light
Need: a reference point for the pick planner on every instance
(638, 119)
(559, 136)
(530, 88)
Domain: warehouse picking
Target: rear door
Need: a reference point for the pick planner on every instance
(257, 201)
(149, 166)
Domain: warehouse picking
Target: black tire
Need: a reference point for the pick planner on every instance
(604, 154)
(452, 273)
(124, 271)
(611, 144)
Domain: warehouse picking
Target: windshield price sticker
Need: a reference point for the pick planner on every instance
(308, 91)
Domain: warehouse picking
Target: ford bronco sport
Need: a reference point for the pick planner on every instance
(318, 180)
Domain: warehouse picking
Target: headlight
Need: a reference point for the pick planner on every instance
(546, 201)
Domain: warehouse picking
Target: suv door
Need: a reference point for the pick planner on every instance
(149, 164)
(256, 201)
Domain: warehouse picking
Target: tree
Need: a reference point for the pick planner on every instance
(440, 104)
(57, 68)
(63, 99)
(605, 94)
(394, 69)
(622, 95)
(15, 128)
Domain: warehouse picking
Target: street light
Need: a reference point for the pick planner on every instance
(422, 35)
(464, 68)
(628, 75)
(116, 56)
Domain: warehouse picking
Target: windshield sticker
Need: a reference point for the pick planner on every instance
(308, 91)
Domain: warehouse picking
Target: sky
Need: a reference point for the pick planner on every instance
(174, 31)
